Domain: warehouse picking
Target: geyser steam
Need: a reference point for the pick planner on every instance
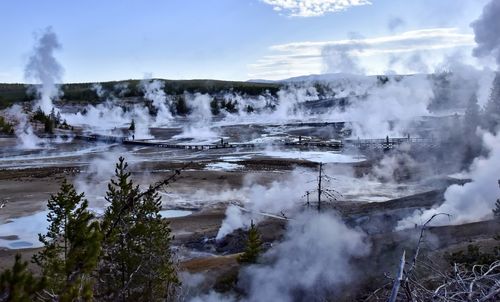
(311, 263)
(44, 69)
(24, 132)
(153, 91)
(473, 201)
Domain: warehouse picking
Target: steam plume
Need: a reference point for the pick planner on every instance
(43, 68)
(473, 201)
(486, 32)
(27, 139)
(339, 58)
(312, 261)
(153, 91)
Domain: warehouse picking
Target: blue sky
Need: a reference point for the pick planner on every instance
(235, 39)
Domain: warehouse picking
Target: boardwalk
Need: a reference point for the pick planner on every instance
(335, 145)
(387, 143)
(188, 146)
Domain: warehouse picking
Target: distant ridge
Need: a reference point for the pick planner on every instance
(326, 77)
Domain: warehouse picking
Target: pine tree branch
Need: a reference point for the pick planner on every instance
(131, 200)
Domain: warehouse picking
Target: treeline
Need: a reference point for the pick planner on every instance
(86, 92)
(6, 127)
(124, 255)
(50, 121)
(13, 93)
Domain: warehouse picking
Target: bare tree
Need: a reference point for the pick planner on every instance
(479, 283)
(324, 193)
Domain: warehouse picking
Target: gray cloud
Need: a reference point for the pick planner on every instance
(486, 32)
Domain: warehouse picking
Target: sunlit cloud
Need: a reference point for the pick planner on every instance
(307, 57)
(312, 8)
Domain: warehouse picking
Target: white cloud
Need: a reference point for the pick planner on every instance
(307, 57)
(312, 8)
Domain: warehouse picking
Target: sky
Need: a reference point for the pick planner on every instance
(237, 39)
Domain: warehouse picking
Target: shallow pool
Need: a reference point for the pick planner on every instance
(316, 156)
(25, 230)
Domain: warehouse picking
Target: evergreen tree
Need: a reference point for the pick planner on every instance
(136, 260)
(132, 125)
(5, 126)
(231, 107)
(223, 104)
(181, 107)
(39, 115)
(117, 262)
(52, 114)
(85, 238)
(58, 118)
(249, 109)
(49, 125)
(492, 108)
(472, 142)
(472, 117)
(253, 246)
(496, 210)
(158, 277)
(214, 107)
(18, 284)
(71, 246)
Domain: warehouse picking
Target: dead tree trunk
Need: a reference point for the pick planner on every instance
(319, 186)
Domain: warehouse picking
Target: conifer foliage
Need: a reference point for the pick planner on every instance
(253, 246)
(18, 284)
(123, 256)
(136, 261)
(71, 246)
(496, 210)
(132, 125)
(492, 108)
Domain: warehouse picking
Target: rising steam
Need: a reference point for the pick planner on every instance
(473, 201)
(486, 32)
(311, 262)
(26, 137)
(154, 91)
(44, 69)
